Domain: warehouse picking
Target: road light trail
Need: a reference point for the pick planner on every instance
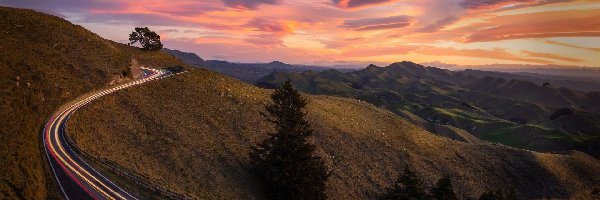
(76, 179)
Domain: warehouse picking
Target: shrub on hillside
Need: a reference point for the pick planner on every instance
(407, 186)
(443, 190)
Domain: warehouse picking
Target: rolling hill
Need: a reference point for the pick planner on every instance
(512, 112)
(365, 147)
(585, 84)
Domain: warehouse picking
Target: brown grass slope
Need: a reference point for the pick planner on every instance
(44, 62)
(192, 134)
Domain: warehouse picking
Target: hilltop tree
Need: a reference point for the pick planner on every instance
(407, 187)
(149, 40)
(285, 162)
(443, 190)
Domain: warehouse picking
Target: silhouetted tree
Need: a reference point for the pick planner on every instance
(407, 187)
(443, 190)
(149, 40)
(285, 163)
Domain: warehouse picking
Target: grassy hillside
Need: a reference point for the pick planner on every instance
(192, 133)
(44, 62)
(511, 112)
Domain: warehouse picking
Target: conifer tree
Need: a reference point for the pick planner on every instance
(443, 190)
(407, 187)
(285, 162)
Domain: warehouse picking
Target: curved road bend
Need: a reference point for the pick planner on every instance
(76, 179)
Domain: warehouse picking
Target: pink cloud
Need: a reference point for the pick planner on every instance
(540, 25)
(349, 4)
(271, 26)
(378, 23)
(248, 4)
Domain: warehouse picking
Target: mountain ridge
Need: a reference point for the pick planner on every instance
(491, 108)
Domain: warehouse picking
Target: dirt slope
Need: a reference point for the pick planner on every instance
(44, 62)
(192, 133)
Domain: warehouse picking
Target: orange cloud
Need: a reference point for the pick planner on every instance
(368, 24)
(571, 45)
(378, 51)
(272, 26)
(496, 53)
(493, 4)
(540, 25)
(248, 4)
(352, 4)
(551, 56)
(328, 30)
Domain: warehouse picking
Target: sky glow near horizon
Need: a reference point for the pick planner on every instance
(353, 32)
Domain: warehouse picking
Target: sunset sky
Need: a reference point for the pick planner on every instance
(353, 32)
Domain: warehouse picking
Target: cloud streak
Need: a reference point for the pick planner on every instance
(351, 4)
(540, 25)
(248, 4)
(378, 23)
(313, 31)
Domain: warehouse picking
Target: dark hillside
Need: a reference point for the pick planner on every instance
(44, 62)
(508, 111)
(188, 58)
(585, 84)
(364, 146)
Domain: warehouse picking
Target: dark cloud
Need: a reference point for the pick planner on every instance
(248, 4)
(169, 31)
(439, 24)
(540, 3)
(130, 19)
(266, 25)
(378, 23)
(475, 4)
(358, 3)
(61, 5)
(265, 40)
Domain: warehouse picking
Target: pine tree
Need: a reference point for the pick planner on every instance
(407, 187)
(443, 190)
(285, 163)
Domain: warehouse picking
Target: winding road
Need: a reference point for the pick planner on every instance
(77, 179)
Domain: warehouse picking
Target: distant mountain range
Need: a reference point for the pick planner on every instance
(585, 84)
(579, 72)
(247, 72)
(509, 111)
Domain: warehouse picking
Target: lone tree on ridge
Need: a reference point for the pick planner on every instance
(149, 40)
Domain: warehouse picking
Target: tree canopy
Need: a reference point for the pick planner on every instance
(149, 40)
